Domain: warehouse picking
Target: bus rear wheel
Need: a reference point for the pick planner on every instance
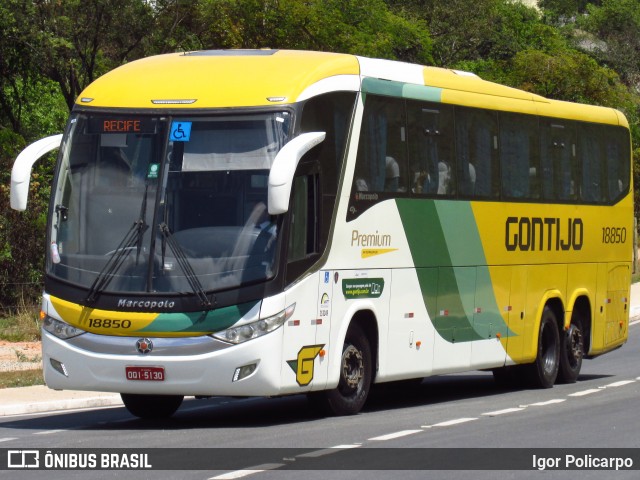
(571, 353)
(151, 406)
(355, 377)
(544, 371)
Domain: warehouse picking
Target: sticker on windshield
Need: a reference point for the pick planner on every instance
(154, 168)
(180, 131)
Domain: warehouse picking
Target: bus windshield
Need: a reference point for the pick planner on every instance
(168, 205)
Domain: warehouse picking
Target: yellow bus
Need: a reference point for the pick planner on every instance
(270, 222)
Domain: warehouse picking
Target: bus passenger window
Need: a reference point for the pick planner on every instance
(476, 153)
(431, 148)
(557, 160)
(381, 163)
(518, 156)
(617, 152)
(591, 157)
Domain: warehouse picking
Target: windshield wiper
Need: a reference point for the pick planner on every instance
(185, 266)
(133, 238)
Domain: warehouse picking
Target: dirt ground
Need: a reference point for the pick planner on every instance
(20, 356)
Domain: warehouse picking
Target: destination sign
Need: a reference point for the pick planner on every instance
(122, 125)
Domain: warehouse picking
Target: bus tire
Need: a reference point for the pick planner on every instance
(571, 353)
(151, 406)
(349, 396)
(544, 371)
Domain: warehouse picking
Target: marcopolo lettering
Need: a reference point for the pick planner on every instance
(543, 233)
(151, 304)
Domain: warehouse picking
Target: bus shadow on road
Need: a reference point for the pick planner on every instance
(232, 413)
(447, 388)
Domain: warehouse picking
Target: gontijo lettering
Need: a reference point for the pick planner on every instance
(537, 233)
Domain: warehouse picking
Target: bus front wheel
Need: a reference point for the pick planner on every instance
(544, 371)
(355, 377)
(151, 406)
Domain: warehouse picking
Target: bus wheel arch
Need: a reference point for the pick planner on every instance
(368, 323)
(574, 341)
(357, 369)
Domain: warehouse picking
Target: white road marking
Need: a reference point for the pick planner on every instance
(502, 412)
(327, 451)
(585, 392)
(7, 439)
(391, 436)
(49, 432)
(247, 472)
(548, 402)
(449, 423)
(620, 383)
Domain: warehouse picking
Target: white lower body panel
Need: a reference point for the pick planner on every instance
(203, 374)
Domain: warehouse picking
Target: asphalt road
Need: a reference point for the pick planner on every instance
(454, 411)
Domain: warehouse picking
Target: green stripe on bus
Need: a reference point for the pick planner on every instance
(401, 90)
(207, 321)
(451, 268)
(421, 92)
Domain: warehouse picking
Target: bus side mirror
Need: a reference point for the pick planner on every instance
(284, 167)
(21, 172)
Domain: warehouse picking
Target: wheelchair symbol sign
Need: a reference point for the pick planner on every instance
(180, 131)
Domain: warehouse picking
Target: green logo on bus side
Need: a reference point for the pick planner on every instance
(362, 287)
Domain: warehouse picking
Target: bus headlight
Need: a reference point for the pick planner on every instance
(256, 329)
(60, 329)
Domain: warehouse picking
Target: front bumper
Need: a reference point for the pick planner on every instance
(192, 366)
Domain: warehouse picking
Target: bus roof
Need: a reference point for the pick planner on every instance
(216, 79)
(251, 78)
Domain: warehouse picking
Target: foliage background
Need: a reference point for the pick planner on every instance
(576, 50)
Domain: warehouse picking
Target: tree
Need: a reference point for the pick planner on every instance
(364, 27)
(22, 239)
(82, 39)
(562, 11)
(17, 63)
(617, 24)
(568, 75)
(457, 31)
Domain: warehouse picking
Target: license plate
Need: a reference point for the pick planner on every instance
(151, 374)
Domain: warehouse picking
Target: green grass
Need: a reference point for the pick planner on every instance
(23, 326)
(21, 378)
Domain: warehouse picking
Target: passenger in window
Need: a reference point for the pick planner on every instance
(392, 177)
(420, 179)
(361, 185)
(425, 177)
(471, 181)
(444, 178)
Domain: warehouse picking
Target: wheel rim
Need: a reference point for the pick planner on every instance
(352, 368)
(549, 347)
(574, 346)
